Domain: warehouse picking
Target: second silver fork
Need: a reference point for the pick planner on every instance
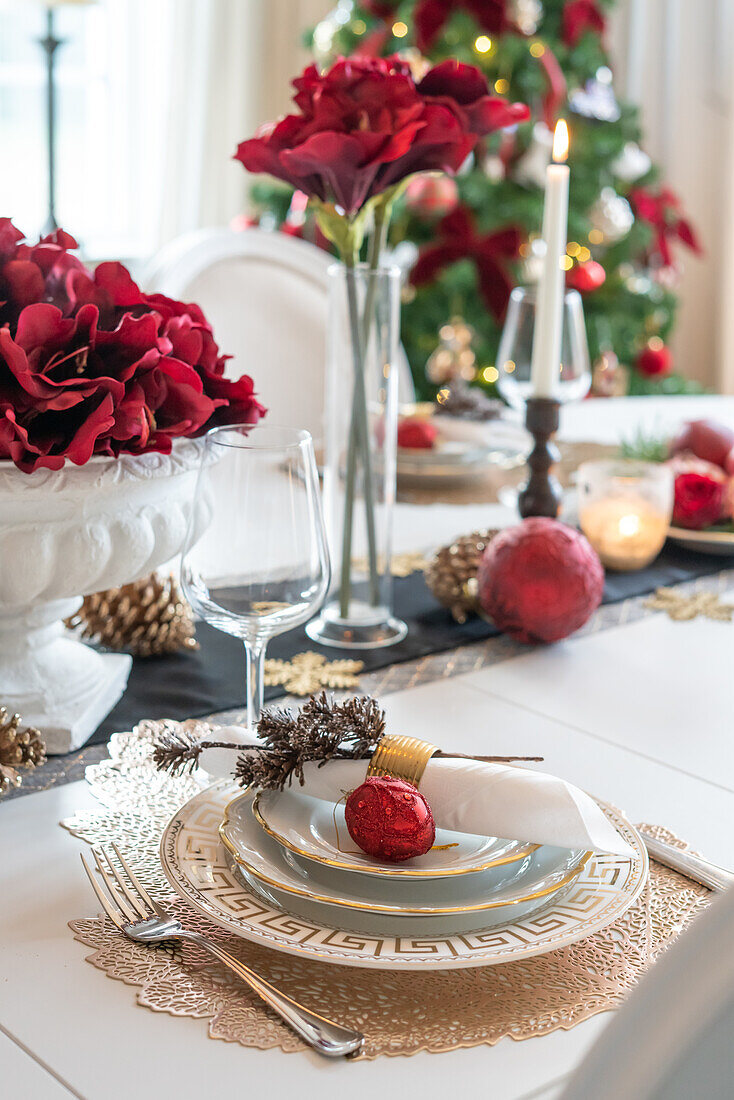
(132, 910)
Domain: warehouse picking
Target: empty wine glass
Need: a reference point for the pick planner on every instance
(516, 349)
(261, 566)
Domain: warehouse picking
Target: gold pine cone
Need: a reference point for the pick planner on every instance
(147, 618)
(19, 748)
(8, 778)
(452, 570)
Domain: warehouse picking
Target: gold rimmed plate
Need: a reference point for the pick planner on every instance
(316, 831)
(202, 871)
(705, 542)
(373, 904)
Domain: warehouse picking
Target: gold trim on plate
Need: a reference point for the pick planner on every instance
(387, 872)
(686, 535)
(374, 907)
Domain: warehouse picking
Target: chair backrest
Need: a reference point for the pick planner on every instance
(266, 296)
(672, 1040)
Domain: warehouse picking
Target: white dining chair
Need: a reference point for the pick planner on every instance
(674, 1038)
(266, 296)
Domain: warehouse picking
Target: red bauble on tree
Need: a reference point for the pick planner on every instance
(655, 359)
(586, 277)
(390, 819)
(432, 196)
(540, 581)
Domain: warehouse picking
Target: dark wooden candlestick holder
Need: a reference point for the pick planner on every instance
(541, 496)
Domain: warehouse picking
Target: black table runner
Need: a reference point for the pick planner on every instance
(212, 678)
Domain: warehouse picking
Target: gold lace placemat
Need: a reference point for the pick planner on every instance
(399, 1013)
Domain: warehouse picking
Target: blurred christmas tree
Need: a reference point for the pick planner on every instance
(476, 237)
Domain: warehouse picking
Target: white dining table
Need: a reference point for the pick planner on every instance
(638, 713)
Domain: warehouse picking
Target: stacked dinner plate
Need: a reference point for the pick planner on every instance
(295, 852)
(280, 869)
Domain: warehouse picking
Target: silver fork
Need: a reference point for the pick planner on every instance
(133, 911)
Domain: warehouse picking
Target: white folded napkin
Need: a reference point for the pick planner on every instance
(468, 796)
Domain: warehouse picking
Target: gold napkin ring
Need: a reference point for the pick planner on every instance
(401, 757)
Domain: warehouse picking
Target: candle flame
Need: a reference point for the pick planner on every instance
(560, 141)
(629, 526)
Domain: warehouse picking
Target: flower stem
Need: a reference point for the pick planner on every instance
(359, 427)
(358, 440)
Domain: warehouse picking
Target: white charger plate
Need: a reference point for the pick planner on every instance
(315, 830)
(197, 865)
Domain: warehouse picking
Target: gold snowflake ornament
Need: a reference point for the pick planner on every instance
(308, 672)
(401, 565)
(683, 608)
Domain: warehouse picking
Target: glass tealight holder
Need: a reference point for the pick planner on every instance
(516, 349)
(625, 509)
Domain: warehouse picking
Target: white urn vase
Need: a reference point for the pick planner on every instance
(63, 535)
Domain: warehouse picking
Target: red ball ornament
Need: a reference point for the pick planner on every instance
(415, 433)
(432, 196)
(655, 359)
(390, 819)
(586, 277)
(706, 439)
(540, 581)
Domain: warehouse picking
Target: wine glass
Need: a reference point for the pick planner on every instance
(516, 349)
(261, 566)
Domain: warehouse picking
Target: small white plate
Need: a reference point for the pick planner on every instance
(368, 904)
(198, 867)
(720, 543)
(505, 447)
(317, 831)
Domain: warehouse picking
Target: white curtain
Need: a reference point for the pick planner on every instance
(229, 63)
(673, 58)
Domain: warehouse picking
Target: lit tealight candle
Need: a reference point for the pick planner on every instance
(627, 533)
(624, 511)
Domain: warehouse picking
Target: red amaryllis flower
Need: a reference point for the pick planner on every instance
(365, 126)
(698, 501)
(458, 111)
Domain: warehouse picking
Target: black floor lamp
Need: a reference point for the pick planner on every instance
(50, 43)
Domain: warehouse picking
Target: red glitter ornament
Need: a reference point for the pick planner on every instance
(390, 819)
(416, 433)
(540, 581)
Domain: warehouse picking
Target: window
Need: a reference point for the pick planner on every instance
(112, 95)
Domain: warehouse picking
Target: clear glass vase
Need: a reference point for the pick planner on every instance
(360, 461)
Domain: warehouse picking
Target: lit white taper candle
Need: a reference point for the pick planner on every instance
(546, 358)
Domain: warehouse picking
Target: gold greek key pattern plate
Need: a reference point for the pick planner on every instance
(197, 866)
